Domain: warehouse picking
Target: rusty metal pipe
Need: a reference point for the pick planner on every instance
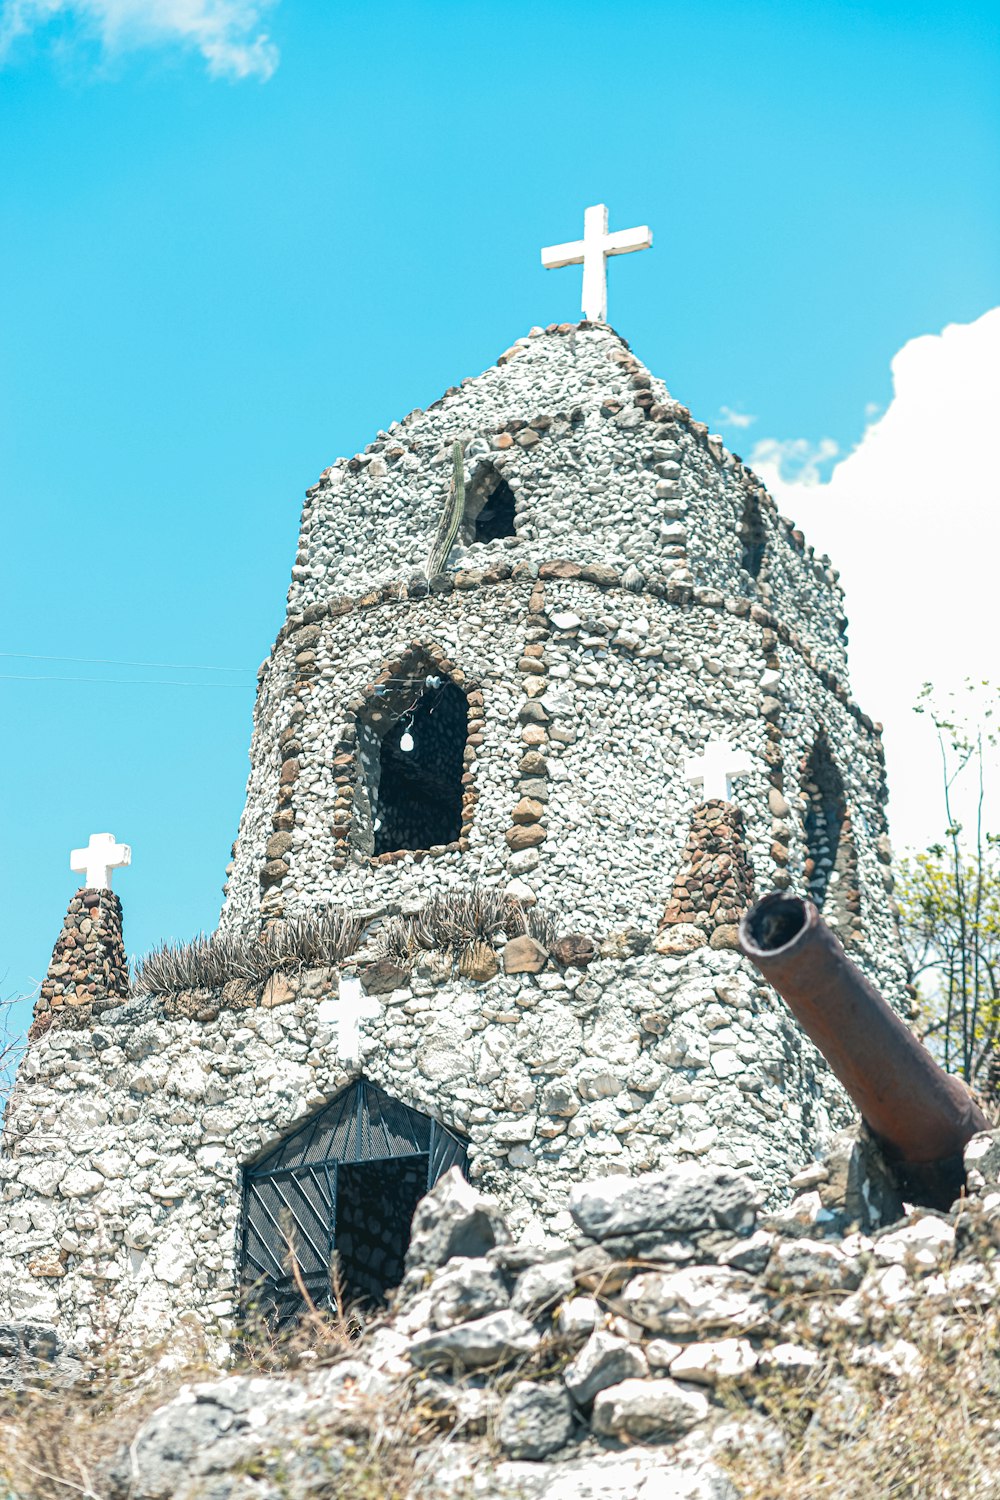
(921, 1115)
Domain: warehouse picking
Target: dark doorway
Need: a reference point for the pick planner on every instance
(345, 1183)
(422, 760)
(496, 519)
(375, 1204)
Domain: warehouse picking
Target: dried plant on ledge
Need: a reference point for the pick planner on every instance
(455, 923)
(324, 937)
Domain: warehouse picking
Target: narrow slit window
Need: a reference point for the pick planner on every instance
(753, 537)
(826, 813)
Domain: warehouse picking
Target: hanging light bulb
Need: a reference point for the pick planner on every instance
(406, 741)
(377, 824)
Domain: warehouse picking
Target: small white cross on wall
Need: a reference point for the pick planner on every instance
(96, 862)
(716, 769)
(592, 253)
(350, 1008)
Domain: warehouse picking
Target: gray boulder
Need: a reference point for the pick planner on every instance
(464, 1290)
(487, 1342)
(199, 1445)
(453, 1219)
(694, 1301)
(687, 1200)
(534, 1420)
(540, 1288)
(604, 1360)
(640, 1409)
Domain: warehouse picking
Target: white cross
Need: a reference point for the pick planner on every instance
(101, 856)
(592, 253)
(349, 1009)
(716, 768)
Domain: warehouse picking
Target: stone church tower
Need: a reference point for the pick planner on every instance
(557, 694)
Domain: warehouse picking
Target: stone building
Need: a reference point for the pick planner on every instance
(557, 693)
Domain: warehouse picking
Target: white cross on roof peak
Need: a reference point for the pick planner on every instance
(96, 862)
(592, 253)
(716, 768)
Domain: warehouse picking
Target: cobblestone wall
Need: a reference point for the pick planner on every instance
(125, 1139)
(575, 780)
(605, 466)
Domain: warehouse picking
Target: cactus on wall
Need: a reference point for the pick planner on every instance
(451, 516)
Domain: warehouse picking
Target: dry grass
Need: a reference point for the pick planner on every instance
(847, 1432)
(56, 1444)
(53, 1441)
(926, 1428)
(874, 1419)
(319, 1336)
(11, 1047)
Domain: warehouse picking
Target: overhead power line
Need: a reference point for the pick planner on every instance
(105, 661)
(127, 681)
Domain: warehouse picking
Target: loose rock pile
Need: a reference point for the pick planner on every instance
(623, 1361)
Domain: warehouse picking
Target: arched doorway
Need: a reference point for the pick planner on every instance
(344, 1183)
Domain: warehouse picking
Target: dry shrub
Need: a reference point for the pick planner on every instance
(451, 923)
(317, 1336)
(54, 1444)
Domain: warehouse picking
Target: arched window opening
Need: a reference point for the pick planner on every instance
(419, 798)
(496, 519)
(343, 1185)
(828, 852)
(412, 743)
(489, 508)
(753, 536)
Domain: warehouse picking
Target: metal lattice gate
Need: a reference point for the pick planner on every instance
(345, 1182)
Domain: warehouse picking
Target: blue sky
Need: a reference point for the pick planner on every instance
(226, 258)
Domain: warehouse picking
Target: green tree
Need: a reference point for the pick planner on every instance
(949, 899)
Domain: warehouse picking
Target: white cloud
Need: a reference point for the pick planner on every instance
(912, 519)
(226, 32)
(791, 461)
(730, 418)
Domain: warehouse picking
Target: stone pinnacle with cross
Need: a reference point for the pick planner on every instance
(592, 253)
(716, 768)
(96, 862)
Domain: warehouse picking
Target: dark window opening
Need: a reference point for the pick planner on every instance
(345, 1184)
(753, 536)
(496, 519)
(826, 811)
(418, 802)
